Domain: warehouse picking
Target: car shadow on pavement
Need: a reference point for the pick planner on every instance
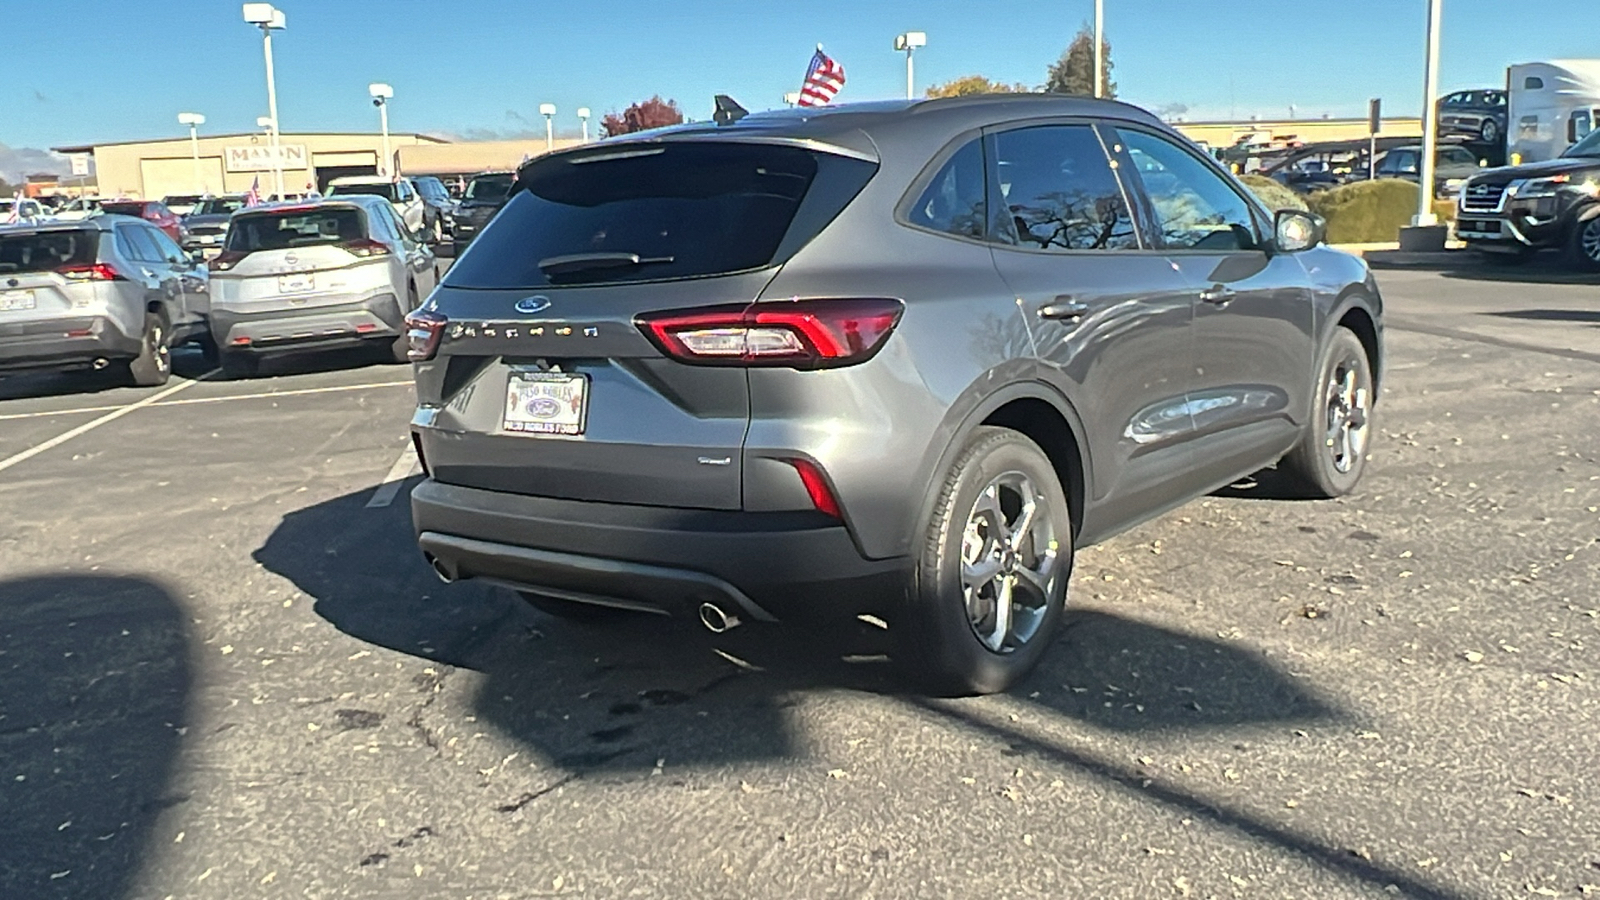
(1264, 484)
(93, 700)
(318, 361)
(187, 362)
(1550, 269)
(1589, 316)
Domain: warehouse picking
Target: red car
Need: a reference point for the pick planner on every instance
(153, 211)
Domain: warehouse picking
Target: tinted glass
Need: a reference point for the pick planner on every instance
(953, 201)
(139, 243)
(403, 191)
(684, 209)
(1457, 156)
(1059, 191)
(489, 187)
(1533, 83)
(168, 249)
(218, 206)
(123, 209)
(386, 191)
(42, 251)
(1589, 146)
(1196, 208)
(295, 228)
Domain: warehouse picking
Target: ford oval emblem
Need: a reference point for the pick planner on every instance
(531, 305)
(543, 408)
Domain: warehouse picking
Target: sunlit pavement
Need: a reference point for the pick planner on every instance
(225, 672)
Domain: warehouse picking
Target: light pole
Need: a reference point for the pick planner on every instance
(1099, 48)
(583, 116)
(909, 42)
(1430, 121)
(548, 110)
(269, 18)
(194, 121)
(381, 95)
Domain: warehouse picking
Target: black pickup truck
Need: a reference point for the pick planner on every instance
(1517, 210)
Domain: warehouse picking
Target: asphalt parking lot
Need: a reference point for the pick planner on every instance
(226, 672)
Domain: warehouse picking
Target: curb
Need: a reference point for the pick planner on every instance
(1403, 259)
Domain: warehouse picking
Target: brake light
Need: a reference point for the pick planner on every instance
(226, 260)
(424, 328)
(817, 487)
(94, 272)
(366, 247)
(802, 334)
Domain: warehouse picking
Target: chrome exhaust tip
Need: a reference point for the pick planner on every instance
(440, 569)
(715, 620)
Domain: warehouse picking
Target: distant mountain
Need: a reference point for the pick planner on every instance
(16, 163)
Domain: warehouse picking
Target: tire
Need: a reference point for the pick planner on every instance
(1332, 453)
(1583, 248)
(1489, 131)
(573, 611)
(239, 365)
(153, 365)
(957, 642)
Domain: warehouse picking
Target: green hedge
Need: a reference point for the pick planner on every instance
(1366, 211)
(1273, 194)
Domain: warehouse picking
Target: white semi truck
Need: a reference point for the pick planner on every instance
(1552, 105)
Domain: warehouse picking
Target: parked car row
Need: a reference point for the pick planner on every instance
(116, 289)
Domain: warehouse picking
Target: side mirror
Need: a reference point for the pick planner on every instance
(427, 235)
(1294, 230)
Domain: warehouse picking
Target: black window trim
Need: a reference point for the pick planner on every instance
(1258, 214)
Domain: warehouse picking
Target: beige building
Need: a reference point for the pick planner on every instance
(1305, 131)
(472, 157)
(230, 163)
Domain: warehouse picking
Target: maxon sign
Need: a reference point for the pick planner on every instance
(264, 158)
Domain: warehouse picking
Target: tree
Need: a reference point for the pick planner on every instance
(646, 114)
(975, 84)
(1073, 73)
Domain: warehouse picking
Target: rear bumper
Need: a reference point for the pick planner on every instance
(344, 324)
(64, 343)
(770, 566)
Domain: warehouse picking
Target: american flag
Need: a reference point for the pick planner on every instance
(824, 78)
(252, 197)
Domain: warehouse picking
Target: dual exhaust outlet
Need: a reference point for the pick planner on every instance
(716, 619)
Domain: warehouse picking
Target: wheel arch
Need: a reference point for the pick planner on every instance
(1355, 311)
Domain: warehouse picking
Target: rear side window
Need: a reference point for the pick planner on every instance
(295, 228)
(489, 187)
(386, 191)
(1060, 192)
(135, 243)
(45, 251)
(123, 209)
(953, 202)
(677, 210)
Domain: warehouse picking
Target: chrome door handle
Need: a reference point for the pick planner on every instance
(1063, 307)
(1218, 295)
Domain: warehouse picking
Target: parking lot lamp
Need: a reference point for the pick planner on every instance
(1430, 121)
(194, 121)
(269, 18)
(583, 116)
(909, 42)
(381, 95)
(548, 110)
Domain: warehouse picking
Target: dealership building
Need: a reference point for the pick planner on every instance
(230, 163)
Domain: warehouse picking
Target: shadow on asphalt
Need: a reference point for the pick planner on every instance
(318, 361)
(1547, 268)
(615, 698)
(186, 363)
(1266, 484)
(95, 687)
(1590, 316)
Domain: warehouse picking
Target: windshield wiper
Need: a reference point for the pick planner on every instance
(579, 262)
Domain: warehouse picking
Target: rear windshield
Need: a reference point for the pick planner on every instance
(678, 210)
(489, 187)
(122, 209)
(295, 228)
(43, 251)
(218, 206)
(386, 190)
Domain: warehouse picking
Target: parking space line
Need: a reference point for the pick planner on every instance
(403, 468)
(89, 426)
(192, 400)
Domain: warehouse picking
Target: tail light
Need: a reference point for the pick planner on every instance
(801, 334)
(817, 487)
(366, 247)
(226, 260)
(424, 328)
(88, 272)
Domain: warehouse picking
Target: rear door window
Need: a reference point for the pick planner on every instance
(139, 244)
(953, 202)
(283, 229)
(672, 210)
(489, 187)
(1195, 207)
(1059, 191)
(45, 251)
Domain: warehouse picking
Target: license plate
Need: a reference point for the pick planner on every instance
(14, 300)
(293, 284)
(546, 403)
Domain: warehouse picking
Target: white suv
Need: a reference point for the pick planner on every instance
(399, 191)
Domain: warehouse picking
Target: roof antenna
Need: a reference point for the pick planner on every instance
(727, 110)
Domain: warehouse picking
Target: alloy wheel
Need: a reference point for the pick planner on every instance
(1009, 562)
(1589, 239)
(160, 350)
(1349, 404)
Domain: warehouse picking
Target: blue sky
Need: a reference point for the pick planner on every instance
(123, 69)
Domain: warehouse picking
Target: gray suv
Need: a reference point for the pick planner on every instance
(896, 359)
(109, 290)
